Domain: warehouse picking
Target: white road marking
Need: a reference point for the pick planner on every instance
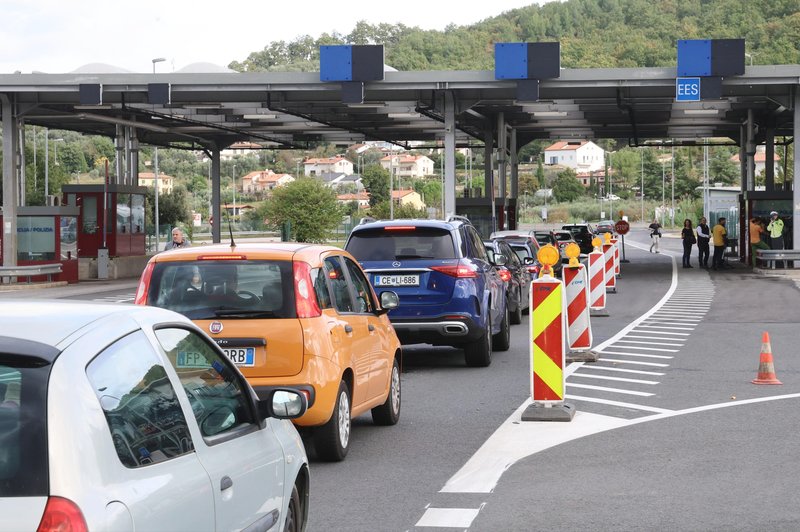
(661, 349)
(621, 370)
(661, 317)
(636, 362)
(627, 354)
(607, 378)
(652, 338)
(645, 343)
(448, 517)
(663, 332)
(617, 403)
(665, 327)
(613, 390)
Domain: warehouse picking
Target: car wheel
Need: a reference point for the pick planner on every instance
(516, 316)
(332, 440)
(389, 412)
(294, 515)
(478, 354)
(502, 340)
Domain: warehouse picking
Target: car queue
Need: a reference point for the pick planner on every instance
(234, 359)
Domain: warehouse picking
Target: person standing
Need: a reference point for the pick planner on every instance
(756, 235)
(775, 229)
(703, 236)
(719, 233)
(178, 241)
(655, 234)
(689, 240)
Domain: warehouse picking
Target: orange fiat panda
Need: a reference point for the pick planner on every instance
(290, 314)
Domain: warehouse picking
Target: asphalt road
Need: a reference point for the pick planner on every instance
(669, 434)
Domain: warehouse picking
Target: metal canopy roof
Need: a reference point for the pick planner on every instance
(295, 110)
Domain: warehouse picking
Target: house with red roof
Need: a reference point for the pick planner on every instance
(327, 165)
(406, 165)
(264, 181)
(580, 155)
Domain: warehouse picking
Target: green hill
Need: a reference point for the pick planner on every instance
(593, 33)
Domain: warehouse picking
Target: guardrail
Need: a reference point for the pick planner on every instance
(789, 257)
(9, 272)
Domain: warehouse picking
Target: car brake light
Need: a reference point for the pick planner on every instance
(144, 285)
(222, 257)
(62, 515)
(460, 271)
(505, 275)
(305, 299)
(533, 269)
(399, 228)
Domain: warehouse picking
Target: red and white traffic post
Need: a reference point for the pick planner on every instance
(579, 325)
(597, 280)
(608, 258)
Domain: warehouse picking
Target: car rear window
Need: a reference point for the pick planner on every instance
(23, 428)
(417, 243)
(543, 239)
(521, 251)
(225, 289)
(563, 236)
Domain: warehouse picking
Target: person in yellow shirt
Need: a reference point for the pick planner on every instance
(719, 233)
(756, 234)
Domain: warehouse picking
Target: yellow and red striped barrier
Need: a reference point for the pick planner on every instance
(608, 257)
(597, 278)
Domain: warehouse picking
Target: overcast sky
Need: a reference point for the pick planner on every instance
(57, 36)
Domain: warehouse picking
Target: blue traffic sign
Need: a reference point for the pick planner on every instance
(687, 89)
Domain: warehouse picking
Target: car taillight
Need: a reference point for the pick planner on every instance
(533, 268)
(62, 515)
(144, 285)
(505, 275)
(305, 299)
(459, 270)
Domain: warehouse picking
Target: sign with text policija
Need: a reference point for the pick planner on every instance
(687, 89)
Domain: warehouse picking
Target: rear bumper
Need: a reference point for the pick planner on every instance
(437, 331)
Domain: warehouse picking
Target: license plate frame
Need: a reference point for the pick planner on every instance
(411, 279)
(241, 356)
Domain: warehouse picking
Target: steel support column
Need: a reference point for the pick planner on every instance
(769, 167)
(449, 155)
(502, 162)
(751, 151)
(215, 196)
(796, 172)
(10, 183)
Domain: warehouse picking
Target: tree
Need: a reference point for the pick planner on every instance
(375, 179)
(566, 186)
(308, 205)
(172, 208)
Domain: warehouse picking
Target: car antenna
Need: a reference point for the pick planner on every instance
(230, 228)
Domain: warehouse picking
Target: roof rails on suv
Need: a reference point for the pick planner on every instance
(458, 217)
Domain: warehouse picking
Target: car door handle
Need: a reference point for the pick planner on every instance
(225, 483)
(348, 328)
(371, 327)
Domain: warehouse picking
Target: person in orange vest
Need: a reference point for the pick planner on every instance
(756, 235)
(719, 233)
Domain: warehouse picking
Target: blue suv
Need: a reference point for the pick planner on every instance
(450, 293)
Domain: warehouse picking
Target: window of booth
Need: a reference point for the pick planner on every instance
(69, 237)
(36, 238)
(137, 213)
(123, 213)
(89, 213)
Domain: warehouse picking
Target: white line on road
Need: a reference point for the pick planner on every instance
(448, 517)
(613, 390)
(643, 355)
(621, 370)
(663, 332)
(617, 403)
(653, 338)
(644, 343)
(636, 362)
(665, 327)
(607, 378)
(617, 346)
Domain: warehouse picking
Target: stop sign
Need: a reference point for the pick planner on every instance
(622, 227)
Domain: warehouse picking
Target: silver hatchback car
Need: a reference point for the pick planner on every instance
(118, 417)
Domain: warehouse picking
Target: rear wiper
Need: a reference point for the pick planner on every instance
(241, 313)
(398, 257)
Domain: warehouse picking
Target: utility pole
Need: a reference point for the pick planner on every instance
(642, 190)
(672, 209)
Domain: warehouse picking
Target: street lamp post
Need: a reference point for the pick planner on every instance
(155, 172)
(641, 192)
(672, 204)
(663, 196)
(233, 176)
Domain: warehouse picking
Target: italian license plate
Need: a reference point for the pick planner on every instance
(241, 356)
(397, 280)
(191, 359)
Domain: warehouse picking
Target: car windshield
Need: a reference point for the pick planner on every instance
(225, 289)
(563, 236)
(543, 238)
(391, 244)
(23, 434)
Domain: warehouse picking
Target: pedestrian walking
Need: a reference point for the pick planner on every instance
(719, 233)
(703, 236)
(178, 240)
(689, 240)
(655, 235)
(756, 238)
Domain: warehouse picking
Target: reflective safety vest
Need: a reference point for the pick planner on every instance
(775, 228)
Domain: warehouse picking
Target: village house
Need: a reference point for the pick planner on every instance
(405, 165)
(165, 182)
(264, 181)
(319, 166)
(580, 155)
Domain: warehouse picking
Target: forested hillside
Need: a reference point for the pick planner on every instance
(593, 33)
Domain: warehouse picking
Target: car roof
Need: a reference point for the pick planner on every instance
(417, 222)
(49, 322)
(258, 250)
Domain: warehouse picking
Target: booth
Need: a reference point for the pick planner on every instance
(47, 235)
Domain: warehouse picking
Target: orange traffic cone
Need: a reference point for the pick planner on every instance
(766, 368)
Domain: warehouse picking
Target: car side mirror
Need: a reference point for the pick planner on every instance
(283, 403)
(389, 301)
(500, 260)
(527, 261)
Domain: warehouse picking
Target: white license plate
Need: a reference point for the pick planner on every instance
(397, 280)
(241, 356)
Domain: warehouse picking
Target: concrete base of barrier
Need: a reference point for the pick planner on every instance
(611, 290)
(540, 412)
(600, 313)
(581, 356)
